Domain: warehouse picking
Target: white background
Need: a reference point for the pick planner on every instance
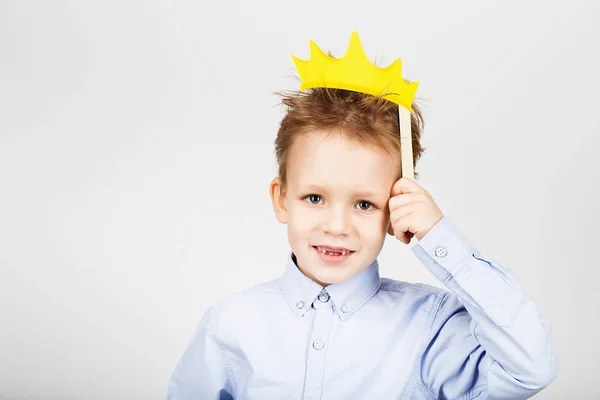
(136, 150)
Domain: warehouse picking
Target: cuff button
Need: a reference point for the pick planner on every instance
(441, 252)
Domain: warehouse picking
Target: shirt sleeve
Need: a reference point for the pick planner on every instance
(486, 338)
(202, 372)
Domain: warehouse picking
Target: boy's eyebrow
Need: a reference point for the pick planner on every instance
(317, 188)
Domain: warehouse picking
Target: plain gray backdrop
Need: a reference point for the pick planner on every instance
(136, 150)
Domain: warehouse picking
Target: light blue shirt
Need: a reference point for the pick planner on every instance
(374, 338)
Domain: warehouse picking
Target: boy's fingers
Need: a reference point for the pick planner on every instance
(404, 199)
(404, 237)
(406, 185)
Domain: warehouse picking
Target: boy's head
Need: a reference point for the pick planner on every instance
(338, 156)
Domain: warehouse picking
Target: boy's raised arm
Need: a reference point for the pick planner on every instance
(492, 342)
(201, 373)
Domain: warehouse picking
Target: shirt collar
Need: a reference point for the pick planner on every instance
(346, 297)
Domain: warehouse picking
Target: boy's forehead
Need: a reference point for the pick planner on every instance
(334, 165)
(324, 160)
(327, 147)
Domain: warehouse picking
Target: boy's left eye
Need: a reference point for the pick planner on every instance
(368, 204)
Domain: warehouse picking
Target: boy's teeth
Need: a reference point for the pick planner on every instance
(342, 252)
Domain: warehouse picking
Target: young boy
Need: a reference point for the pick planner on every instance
(330, 327)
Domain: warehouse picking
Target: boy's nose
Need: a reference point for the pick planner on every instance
(337, 222)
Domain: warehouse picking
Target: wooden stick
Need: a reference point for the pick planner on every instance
(406, 151)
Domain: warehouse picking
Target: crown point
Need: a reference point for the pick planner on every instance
(315, 51)
(395, 67)
(297, 61)
(355, 47)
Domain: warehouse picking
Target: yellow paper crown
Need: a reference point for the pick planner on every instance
(355, 72)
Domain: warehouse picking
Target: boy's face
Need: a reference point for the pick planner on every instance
(337, 195)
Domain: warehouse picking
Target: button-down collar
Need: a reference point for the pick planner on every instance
(301, 292)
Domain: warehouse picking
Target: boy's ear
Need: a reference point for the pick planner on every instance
(278, 200)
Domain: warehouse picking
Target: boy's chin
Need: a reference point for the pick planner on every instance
(331, 277)
(330, 274)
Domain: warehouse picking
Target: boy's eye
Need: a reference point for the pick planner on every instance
(366, 205)
(313, 198)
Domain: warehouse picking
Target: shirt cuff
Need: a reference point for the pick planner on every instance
(446, 245)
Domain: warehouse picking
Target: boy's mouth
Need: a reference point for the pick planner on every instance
(333, 255)
(333, 251)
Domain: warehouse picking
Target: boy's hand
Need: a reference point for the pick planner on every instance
(412, 211)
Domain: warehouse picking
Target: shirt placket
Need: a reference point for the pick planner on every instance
(318, 345)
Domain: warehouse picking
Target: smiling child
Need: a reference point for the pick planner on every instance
(330, 327)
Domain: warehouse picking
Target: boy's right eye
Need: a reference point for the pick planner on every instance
(313, 198)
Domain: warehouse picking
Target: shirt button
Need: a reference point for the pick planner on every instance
(318, 344)
(324, 297)
(441, 252)
(300, 304)
(345, 308)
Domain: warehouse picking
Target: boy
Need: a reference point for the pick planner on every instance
(330, 327)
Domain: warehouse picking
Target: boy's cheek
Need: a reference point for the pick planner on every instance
(298, 219)
(378, 230)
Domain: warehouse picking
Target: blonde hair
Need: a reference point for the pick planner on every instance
(366, 119)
